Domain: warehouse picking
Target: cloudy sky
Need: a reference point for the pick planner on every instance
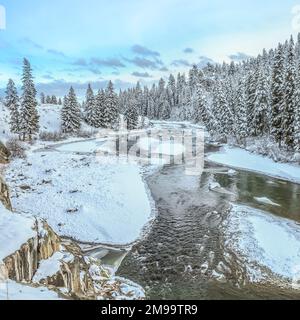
(76, 41)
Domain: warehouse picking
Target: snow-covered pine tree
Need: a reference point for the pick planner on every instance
(101, 120)
(240, 122)
(111, 110)
(29, 118)
(90, 113)
(222, 112)
(70, 114)
(199, 115)
(277, 95)
(42, 97)
(12, 103)
(48, 100)
(251, 85)
(53, 100)
(131, 115)
(297, 116)
(261, 106)
(171, 91)
(288, 116)
(59, 102)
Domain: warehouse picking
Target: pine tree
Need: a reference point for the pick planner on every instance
(297, 115)
(101, 120)
(43, 99)
(241, 127)
(12, 103)
(111, 110)
(70, 114)
(131, 115)
(29, 118)
(200, 107)
(48, 100)
(90, 110)
(53, 100)
(289, 105)
(277, 95)
(261, 106)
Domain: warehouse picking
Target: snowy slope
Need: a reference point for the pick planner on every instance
(242, 159)
(4, 123)
(16, 291)
(81, 196)
(15, 230)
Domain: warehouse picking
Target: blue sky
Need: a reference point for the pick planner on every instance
(76, 41)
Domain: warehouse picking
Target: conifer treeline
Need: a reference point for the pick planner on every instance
(255, 98)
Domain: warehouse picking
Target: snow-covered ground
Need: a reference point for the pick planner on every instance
(15, 230)
(15, 291)
(242, 159)
(82, 197)
(265, 242)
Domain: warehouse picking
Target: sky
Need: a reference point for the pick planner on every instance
(74, 42)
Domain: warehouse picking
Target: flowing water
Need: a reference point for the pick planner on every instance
(184, 253)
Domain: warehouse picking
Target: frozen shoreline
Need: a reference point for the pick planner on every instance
(244, 160)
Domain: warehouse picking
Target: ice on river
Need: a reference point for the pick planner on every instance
(264, 240)
(242, 159)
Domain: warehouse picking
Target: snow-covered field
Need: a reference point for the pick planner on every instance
(82, 197)
(15, 291)
(265, 242)
(242, 159)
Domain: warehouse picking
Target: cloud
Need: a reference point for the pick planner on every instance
(143, 51)
(47, 77)
(188, 50)
(80, 62)
(164, 69)
(181, 63)
(55, 52)
(62, 87)
(146, 63)
(94, 70)
(141, 74)
(110, 62)
(239, 57)
(32, 43)
(204, 61)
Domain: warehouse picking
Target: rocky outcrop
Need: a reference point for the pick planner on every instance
(4, 153)
(4, 194)
(58, 264)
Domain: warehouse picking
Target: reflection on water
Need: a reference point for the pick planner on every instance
(250, 187)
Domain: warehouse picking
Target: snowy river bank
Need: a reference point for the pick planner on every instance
(189, 250)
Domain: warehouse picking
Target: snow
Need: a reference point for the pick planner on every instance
(49, 117)
(265, 200)
(15, 230)
(264, 240)
(87, 199)
(17, 291)
(166, 147)
(51, 266)
(4, 123)
(242, 159)
(82, 146)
